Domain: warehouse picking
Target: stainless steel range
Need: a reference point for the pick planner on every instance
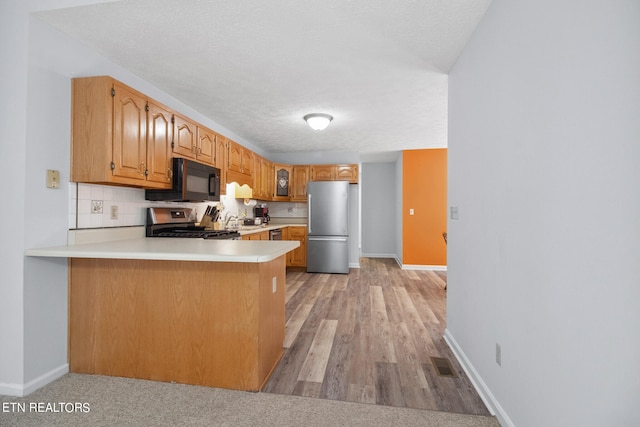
(178, 222)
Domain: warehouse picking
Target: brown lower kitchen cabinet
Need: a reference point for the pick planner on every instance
(263, 235)
(298, 257)
(215, 324)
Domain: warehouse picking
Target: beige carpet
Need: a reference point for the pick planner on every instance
(92, 400)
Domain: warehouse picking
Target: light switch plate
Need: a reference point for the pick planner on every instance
(454, 212)
(53, 178)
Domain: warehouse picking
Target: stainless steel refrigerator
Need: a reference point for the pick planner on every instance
(328, 227)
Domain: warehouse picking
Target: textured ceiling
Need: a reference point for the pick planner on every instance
(256, 67)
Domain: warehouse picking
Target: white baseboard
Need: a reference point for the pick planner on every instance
(375, 255)
(7, 389)
(481, 387)
(354, 265)
(417, 266)
(21, 390)
(424, 267)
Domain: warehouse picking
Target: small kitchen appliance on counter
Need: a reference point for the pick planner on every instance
(263, 213)
(178, 222)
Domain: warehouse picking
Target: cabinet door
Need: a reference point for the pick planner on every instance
(347, 173)
(221, 161)
(261, 178)
(129, 133)
(298, 257)
(234, 156)
(159, 136)
(266, 172)
(323, 172)
(282, 190)
(184, 137)
(205, 145)
(258, 185)
(300, 179)
(247, 161)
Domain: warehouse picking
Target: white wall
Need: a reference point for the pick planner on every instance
(398, 209)
(378, 217)
(13, 110)
(354, 226)
(544, 151)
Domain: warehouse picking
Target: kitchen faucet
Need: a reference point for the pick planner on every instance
(229, 218)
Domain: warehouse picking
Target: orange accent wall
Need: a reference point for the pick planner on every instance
(424, 189)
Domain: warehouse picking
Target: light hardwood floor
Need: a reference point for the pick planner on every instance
(369, 337)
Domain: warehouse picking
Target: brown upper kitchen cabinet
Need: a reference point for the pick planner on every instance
(205, 145)
(323, 172)
(335, 173)
(110, 131)
(239, 164)
(347, 173)
(300, 179)
(262, 173)
(282, 182)
(240, 159)
(159, 137)
(220, 161)
(258, 185)
(184, 139)
(193, 141)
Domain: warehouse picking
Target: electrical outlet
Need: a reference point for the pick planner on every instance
(498, 354)
(114, 211)
(96, 206)
(411, 211)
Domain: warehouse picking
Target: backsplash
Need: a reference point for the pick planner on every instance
(90, 206)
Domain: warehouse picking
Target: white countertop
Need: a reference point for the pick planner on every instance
(166, 248)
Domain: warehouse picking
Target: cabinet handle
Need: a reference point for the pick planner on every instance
(141, 168)
(193, 149)
(169, 174)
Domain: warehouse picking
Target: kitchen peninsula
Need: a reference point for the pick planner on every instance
(193, 311)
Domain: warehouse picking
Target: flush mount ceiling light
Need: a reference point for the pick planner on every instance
(318, 121)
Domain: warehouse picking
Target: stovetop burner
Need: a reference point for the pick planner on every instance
(178, 222)
(204, 234)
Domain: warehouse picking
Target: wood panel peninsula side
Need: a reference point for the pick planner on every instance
(202, 312)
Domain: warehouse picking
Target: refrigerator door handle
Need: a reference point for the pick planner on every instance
(309, 215)
(332, 239)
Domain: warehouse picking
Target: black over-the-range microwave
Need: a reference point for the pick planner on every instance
(192, 182)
